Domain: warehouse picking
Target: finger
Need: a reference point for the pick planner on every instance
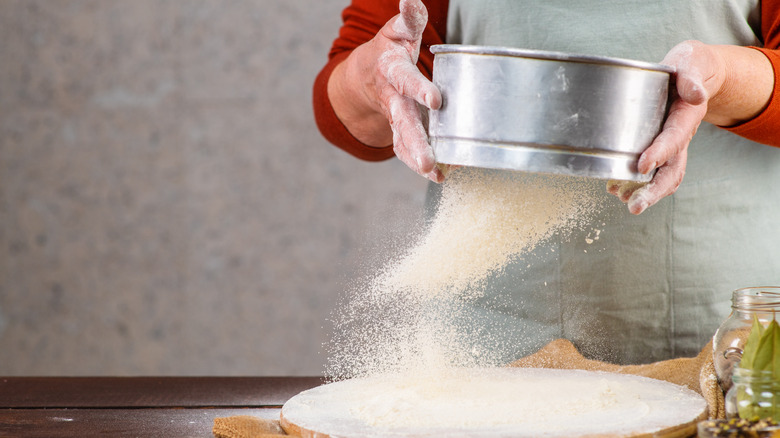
(613, 186)
(699, 71)
(665, 182)
(436, 175)
(678, 130)
(408, 81)
(688, 79)
(412, 20)
(410, 140)
(641, 200)
(625, 189)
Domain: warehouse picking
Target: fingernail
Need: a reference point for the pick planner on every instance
(637, 208)
(638, 202)
(428, 100)
(697, 93)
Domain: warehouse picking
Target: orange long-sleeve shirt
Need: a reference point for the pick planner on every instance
(364, 18)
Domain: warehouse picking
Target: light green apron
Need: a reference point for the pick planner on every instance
(657, 285)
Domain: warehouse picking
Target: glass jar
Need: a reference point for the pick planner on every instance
(754, 395)
(729, 340)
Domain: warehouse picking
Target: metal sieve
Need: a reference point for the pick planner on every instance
(546, 112)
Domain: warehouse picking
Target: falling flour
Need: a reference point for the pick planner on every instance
(405, 317)
(483, 221)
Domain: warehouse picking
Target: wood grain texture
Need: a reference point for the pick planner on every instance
(150, 392)
(166, 422)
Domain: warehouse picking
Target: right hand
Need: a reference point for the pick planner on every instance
(384, 75)
(723, 85)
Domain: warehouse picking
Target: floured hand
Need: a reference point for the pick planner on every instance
(723, 85)
(699, 73)
(383, 76)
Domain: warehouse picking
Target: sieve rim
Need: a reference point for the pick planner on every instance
(549, 55)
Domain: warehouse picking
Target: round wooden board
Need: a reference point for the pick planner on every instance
(642, 408)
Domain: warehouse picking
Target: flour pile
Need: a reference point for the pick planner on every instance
(407, 316)
(497, 402)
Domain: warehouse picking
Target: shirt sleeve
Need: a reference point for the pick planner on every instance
(765, 127)
(362, 19)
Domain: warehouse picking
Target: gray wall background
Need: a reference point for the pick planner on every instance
(167, 206)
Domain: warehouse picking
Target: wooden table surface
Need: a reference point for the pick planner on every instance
(137, 406)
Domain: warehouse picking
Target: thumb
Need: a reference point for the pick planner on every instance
(689, 78)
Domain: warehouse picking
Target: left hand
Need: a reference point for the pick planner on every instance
(700, 75)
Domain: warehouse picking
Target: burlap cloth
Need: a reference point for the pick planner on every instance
(696, 373)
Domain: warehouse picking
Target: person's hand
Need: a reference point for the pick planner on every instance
(700, 75)
(384, 75)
